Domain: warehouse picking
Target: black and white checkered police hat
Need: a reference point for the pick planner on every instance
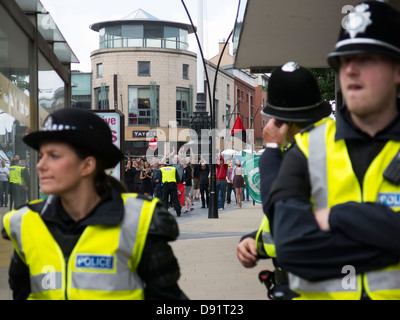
(372, 27)
(80, 128)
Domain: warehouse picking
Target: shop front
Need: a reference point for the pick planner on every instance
(34, 81)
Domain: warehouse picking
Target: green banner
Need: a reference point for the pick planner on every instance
(252, 174)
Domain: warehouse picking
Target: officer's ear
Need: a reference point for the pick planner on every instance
(89, 165)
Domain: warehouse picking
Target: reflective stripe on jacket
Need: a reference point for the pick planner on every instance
(264, 241)
(333, 182)
(103, 263)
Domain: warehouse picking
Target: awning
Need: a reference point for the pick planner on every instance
(269, 33)
(49, 30)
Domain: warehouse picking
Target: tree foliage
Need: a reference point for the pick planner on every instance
(326, 82)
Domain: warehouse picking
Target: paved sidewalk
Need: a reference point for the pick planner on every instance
(206, 252)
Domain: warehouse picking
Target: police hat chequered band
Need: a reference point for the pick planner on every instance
(367, 41)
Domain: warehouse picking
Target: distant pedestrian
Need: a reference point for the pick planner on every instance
(238, 182)
(19, 178)
(196, 181)
(204, 184)
(137, 183)
(229, 183)
(146, 176)
(129, 176)
(4, 183)
(157, 179)
(222, 169)
(187, 181)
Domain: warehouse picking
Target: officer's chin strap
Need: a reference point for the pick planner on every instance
(267, 277)
(48, 202)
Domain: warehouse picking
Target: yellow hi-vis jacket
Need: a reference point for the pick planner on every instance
(333, 182)
(103, 264)
(168, 174)
(16, 174)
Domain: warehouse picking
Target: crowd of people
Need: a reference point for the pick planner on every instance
(144, 177)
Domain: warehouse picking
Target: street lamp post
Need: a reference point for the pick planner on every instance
(199, 117)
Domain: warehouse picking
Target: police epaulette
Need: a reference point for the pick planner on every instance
(36, 205)
(308, 128)
(143, 197)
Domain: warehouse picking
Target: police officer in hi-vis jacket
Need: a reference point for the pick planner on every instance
(89, 239)
(334, 207)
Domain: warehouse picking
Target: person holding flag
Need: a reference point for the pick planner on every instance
(294, 102)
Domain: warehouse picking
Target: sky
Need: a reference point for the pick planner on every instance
(73, 18)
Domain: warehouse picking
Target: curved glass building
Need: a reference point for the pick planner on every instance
(142, 30)
(144, 68)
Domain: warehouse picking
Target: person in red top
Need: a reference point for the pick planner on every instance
(222, 169)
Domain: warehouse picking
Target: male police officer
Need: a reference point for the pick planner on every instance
(294, 102)
(18, 177)
(169, 180)
(349, 170)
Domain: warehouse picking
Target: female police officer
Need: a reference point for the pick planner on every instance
(89, 239)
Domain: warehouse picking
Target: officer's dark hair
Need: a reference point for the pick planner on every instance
(102, 180)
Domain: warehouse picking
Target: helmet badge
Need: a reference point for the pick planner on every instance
(358, 20)
(290, 67)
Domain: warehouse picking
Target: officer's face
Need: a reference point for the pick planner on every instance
(369, 84)
(60, 170)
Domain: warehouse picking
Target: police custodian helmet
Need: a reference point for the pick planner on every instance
(372, 27)
(81, 128)
(294, 95)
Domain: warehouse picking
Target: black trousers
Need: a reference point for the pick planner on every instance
(170, 188)
(17, 196)
(204, 189)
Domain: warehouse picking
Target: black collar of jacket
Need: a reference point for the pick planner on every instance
(346, 129)
(109, 211)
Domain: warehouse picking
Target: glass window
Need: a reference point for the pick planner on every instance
(132, 35)
(153, 35)
(51, 90)
(171, 36)
(143, 105)
(101, 98)
(102, 38)
(184, 42)
(185, 71)
(113, 36)
(15, 114)
(99, 70)
(182, 107)
(132, 31)
(143, 68)
(228, 116)
(171, 32)
(153, 31)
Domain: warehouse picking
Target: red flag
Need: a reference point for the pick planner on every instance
(238, 130)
